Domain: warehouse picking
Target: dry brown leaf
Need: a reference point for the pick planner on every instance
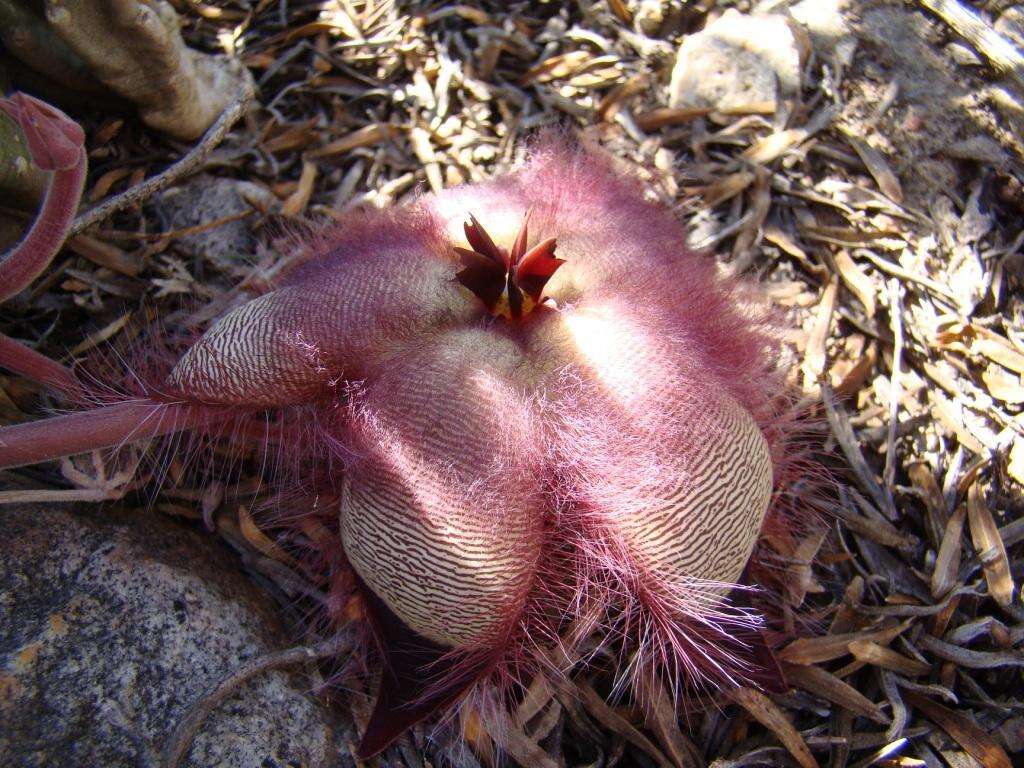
(104, 254)
(774, 145)
(614, 99)
(296, 203)
(998, 350)
(975, 741)
(842, 430)
(524, 750)
(815, 354)
(366, 136)
(103, 334)
(876, 528)
(663, 721)
(556, 67)
(801, 576)
(726, 188)
(291, 137)
(777, 236)
(1003, 386)
(259, 540)
(618, 7)
(759, 201)
(990, 548)
(847, 617)
(668, 116)
(878, 655)
(768, 714)
(879, 169)
(105, 182)
(473, 730)
(947, 562)
(596, 78)
(924, 481)
(857, 376)
(827, 686)
(977, 340)
(948, 413)
(857, 281)
(613, 721)
(1015, 463)
(419, 139)
(107, 131)
(815, 650)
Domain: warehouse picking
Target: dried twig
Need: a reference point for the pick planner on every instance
(180, 739)
(1006, 59)
(140, 192)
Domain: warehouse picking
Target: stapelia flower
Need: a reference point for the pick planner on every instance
(560, 412)
(543, 416)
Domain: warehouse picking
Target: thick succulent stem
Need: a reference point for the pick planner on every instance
(105, 427)
(56, 144)
(33, 254)
(24, 361)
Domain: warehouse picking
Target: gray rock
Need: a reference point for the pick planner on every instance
(112, 624)
(826, 26)
(205, 199)
(739, 62)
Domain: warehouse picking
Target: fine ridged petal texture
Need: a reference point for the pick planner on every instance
(520, 440)
(442, 511)
(358, 300)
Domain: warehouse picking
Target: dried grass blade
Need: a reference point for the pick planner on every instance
(297, 201)
(948, 560)
(856, 281)
(663, 720)
(366, 136)
(877, 655)
(880, 171)
(613, 721)
(827, 686)
(967, 734)
(259, 540)
(814, 650)
(522, 748)
(768, 714)
(815, 355)
(990, 547)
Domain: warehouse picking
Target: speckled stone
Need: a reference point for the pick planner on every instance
(738, 62)
(206, 199)
(112, 624)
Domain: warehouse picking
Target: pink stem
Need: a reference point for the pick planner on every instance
(25, 261)
(104, 427)
(24, 361)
